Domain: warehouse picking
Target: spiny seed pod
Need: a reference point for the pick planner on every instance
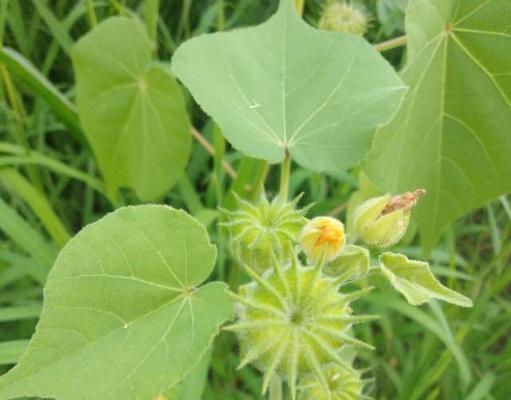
(323, 236)
(259, 229)
(382, 221)
(292, 321)
(339, 16)
(342, 385)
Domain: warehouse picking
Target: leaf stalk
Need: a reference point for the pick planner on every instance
(391, 44)
(284, 177)
(276, 388)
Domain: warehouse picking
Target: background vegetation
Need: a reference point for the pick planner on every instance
(50, 188)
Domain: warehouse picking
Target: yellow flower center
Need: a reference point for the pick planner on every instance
(323, 234)
(330, 234)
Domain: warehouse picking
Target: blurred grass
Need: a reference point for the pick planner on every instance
(51, 188)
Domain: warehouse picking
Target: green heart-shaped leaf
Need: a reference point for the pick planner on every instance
(123, 315)
(414, 280)
(132, 110)
(451, 136)
(284, 86)
(192, 387)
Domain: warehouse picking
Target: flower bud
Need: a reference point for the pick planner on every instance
(323, 235)
(382, 221)
(340, 16)
(261, 230)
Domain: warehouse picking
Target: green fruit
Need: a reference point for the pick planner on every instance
(342, 385)
(340, 16)
(259, 230)
(293, 321)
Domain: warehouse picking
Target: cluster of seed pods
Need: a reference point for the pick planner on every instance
(294, 320)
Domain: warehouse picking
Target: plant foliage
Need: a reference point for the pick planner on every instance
(131, 109)
(124, 316)
(451, 136)
(286, 87)
(126, 312)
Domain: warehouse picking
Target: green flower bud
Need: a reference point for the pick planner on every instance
(259, 230)
(342, 385)
(340, 16)
(382, 221)
(293, 321)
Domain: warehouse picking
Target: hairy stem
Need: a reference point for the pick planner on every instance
(276, 388)
(391, 44)
(284, 177)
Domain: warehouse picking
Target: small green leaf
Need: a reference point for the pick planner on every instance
(451, 136)
(414, 280)
(353, 263)
(132, 110)
(284, 86)
(123, 315)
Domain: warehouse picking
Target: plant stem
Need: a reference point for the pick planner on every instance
(91, 13)
(276, 388)
(284, 177)
(151, 14)
(391, 44)
(221, 15)
(299, 4)
(211, 150)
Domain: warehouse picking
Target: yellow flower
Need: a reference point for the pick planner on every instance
(323, 234)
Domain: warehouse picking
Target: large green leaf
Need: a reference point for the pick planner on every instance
(192, 386)
(132, 110)
(451, 136)
(286, 86)
(414, 280)
(123, 315)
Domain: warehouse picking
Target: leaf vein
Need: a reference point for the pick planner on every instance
(327, 99)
